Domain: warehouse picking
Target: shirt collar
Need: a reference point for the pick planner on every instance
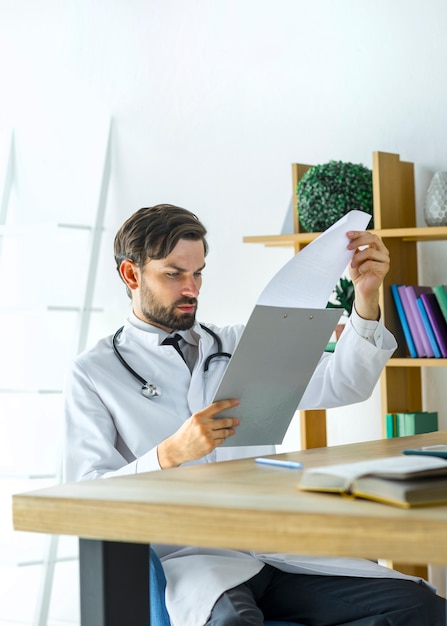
(191, 336)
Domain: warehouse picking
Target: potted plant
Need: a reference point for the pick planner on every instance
(327, 192)
(342, 298)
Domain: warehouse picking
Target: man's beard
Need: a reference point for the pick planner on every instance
(168, 317)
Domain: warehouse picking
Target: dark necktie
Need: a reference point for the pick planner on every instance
(173, 341)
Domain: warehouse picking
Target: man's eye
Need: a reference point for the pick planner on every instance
(172, 274)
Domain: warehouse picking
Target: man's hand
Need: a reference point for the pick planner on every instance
(198, 436)
(369, 267)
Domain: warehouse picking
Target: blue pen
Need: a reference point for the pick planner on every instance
(279, 463)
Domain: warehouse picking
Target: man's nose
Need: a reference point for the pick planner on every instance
(190, 287)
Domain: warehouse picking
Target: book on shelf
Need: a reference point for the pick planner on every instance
(404, 481)
(440, 292)
(408, 295)
(403, 320)
(414, 292)
(390, 425)
(437, 321)
(429, 329)
(411, 423)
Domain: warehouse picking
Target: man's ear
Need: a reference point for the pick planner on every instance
(130, 274)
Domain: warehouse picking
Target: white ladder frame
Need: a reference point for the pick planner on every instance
(49, 560)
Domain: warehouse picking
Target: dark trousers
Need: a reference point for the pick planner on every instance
(328, 601)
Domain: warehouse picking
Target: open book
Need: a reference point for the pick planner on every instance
(405, 481)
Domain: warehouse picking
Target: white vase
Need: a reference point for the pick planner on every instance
(435, 205)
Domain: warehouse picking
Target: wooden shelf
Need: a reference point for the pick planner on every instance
(409, 362)
(395, 221)
(425, 233)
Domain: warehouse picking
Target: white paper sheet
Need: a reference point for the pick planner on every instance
(309, 278)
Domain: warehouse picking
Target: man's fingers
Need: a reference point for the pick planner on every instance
(213, 410)
(221, 405)
(225, 426)
(365, 238)
(223, 433)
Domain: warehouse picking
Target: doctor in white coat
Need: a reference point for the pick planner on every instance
(136, 404)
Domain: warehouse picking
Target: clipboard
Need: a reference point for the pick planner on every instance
(271, 368)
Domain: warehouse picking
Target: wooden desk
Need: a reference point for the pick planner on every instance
(235, 504)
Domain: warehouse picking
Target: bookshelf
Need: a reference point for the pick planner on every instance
(395, 222)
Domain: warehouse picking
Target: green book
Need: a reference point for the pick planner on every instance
(416, 423)
(390, 424)
(440, 292)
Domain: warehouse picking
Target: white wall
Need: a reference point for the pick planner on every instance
(211, 103)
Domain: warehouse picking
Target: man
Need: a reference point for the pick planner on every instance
(135, 403)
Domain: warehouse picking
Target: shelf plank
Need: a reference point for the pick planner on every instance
(423, 233)
(408, 362)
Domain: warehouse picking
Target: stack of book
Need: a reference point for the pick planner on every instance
(407, 481)
(411, 423)
(422, 312)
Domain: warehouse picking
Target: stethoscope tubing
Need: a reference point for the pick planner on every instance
(152, 391)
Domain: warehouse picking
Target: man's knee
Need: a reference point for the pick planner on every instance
(236, 607)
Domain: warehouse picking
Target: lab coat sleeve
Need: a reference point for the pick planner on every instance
(93, 448)
(350, 373)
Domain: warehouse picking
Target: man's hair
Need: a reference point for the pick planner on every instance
(153, 232)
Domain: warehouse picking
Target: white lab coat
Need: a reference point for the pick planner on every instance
(112, 429)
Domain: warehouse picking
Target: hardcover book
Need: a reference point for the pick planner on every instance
(437, 321)
(409, 301)
(404, 481)
(439, 449)
(390, 425)
(413, 292)
(416, 423)
(403, 321)
(410, 423)
(429, 329)
(440, 292)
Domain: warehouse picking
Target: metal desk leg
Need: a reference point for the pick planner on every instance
(114, 583)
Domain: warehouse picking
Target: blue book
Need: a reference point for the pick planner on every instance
(404, 321)
(428, 328)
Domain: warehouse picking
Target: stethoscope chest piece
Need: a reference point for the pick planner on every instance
(150, 391)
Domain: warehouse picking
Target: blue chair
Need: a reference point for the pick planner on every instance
(159, 614)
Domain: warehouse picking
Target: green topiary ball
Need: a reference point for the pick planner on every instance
(329, 191)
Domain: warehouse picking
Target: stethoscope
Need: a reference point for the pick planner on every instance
(153, 391)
